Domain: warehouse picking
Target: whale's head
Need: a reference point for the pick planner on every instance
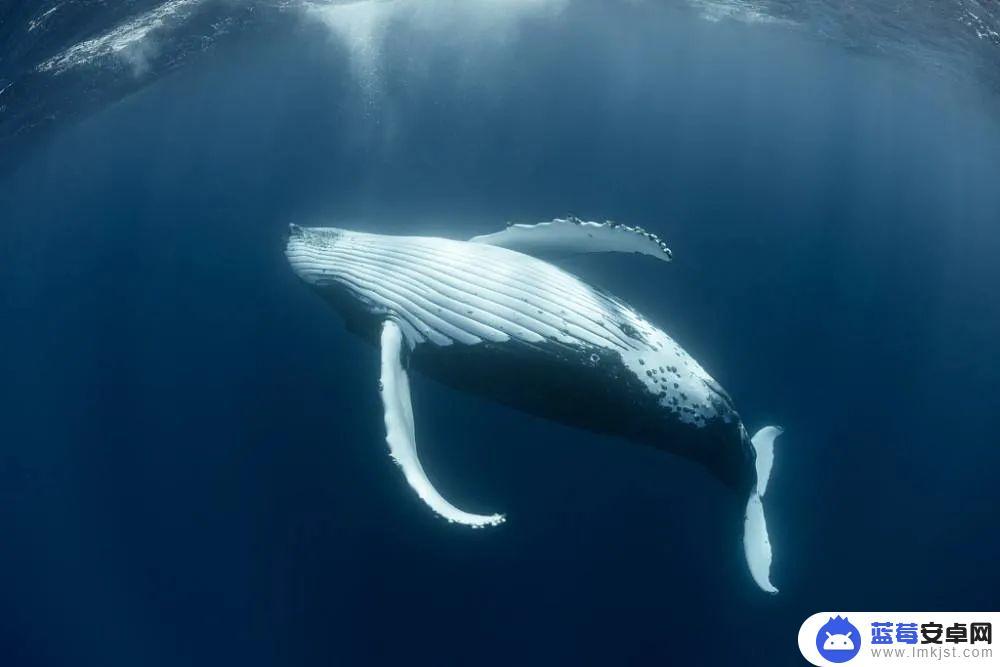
(332, 261)
(312, 253)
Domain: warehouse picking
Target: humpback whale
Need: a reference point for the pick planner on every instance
(493, 315)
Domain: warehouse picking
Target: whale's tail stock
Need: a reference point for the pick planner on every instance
(756, 544)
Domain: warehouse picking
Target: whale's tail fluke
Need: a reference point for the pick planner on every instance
(756, 544)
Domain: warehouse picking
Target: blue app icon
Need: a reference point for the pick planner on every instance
(838, 640)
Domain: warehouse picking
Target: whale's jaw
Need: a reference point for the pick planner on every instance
(303, 250)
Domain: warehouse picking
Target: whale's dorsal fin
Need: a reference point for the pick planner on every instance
(572, 236)
(400, 434)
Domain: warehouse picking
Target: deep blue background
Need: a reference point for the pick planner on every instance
(192, 463)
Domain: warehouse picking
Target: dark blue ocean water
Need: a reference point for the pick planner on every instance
(192, 458)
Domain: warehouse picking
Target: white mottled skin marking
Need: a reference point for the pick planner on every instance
(683, 386)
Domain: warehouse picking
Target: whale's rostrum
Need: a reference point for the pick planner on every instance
(487, 317)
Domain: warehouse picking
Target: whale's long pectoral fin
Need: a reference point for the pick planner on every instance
(400, 435)
(572, 236)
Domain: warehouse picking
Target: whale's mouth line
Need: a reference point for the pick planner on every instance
(303, 243)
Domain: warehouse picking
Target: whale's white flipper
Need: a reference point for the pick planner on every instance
(572, 236)
(756, 543)
(400, 434)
